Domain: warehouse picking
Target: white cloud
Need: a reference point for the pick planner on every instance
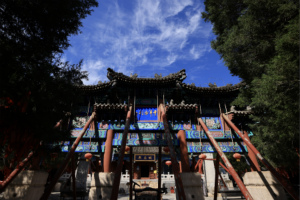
(198, 51)
(152, 33)
(95, 69)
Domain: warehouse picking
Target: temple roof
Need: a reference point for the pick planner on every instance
(110, 107)
(182, 106)
(95, 88)
(213, 88)
(171, 80)
(157, 80)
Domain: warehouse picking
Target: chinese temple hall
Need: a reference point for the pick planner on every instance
(152, 135)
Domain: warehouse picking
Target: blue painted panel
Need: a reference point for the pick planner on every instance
(82, 147)
(137, 142)
(190, 134)
(206, 147)
(182, 126)
(216, 134)
(146, 126)
(146, 114)
(102, 133)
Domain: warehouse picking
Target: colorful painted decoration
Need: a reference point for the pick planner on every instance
(212, 123)
(79, 121)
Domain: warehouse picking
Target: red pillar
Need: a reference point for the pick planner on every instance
(216, 176)
(180, 167)
(108, 151)
(178, 180)
(235, 176)
(16, 171)
(183, 151)
(116, 183)
(252, 156)
(200, 167)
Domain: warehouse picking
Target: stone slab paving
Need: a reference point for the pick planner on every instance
(169, 196)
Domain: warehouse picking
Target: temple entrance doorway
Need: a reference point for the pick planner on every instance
(145, 170)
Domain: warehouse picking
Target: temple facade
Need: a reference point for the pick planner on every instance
(153, 125)
(156, 135)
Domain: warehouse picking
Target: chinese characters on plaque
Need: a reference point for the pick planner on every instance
(144, 157)
(146, 114)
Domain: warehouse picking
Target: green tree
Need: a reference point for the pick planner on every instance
(259, 42)
(37, 88)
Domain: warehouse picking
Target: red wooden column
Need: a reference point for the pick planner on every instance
(233, 173)
(252, 157)
(116, 183)
(200, 166)
(216, 177)
(281, 179)
(178, 180)
(16, 171)
(22, 164)
(183, 151)
(224, 168)
(180, 167)
(108, 151)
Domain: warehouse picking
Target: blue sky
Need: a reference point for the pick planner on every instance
(148, 37)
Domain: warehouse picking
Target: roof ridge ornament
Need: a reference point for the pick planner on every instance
(133, 75)
(157, 76)
(212, 85)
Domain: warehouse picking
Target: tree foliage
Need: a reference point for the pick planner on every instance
(37, 87)
(259, 42)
